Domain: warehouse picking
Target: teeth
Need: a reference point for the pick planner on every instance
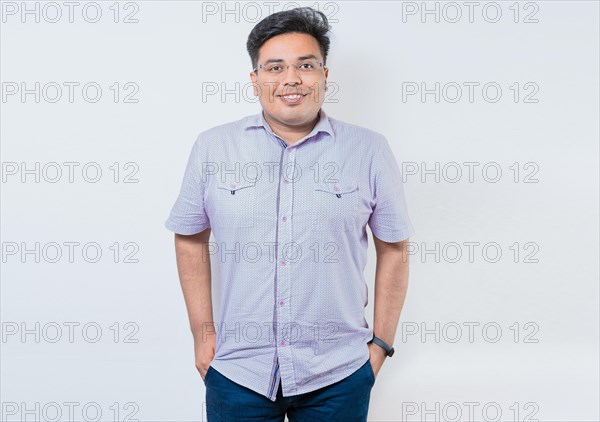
(292, 97)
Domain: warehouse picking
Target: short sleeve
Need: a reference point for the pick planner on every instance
(188, 215)
(389, 220)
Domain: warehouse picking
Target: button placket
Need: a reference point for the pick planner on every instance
(284, 236)
(283, 272)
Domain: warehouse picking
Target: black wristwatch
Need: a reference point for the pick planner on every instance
(389, 350)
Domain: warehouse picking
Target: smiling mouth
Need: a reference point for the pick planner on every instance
(292, 99)
(292, 96)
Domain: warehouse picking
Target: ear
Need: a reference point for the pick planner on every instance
(254, 83)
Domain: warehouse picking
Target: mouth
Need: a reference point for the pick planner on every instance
(292, 98)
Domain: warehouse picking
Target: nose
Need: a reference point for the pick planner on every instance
(293, 77)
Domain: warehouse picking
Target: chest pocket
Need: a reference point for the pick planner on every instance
(235, 204)
(335, 205)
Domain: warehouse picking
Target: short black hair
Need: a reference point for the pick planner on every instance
(304, 20)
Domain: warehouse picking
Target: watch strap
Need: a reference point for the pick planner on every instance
(389, 350)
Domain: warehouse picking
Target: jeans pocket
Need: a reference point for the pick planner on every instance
(371, 371)
(208, 371)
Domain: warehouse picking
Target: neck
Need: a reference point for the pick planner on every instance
(291, 134)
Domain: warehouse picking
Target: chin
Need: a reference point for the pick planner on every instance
(294, 116)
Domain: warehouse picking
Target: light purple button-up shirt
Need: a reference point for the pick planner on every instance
(289, 226)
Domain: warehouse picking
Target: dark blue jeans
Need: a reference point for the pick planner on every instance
(346, 400)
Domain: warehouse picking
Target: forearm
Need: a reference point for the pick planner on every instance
(391, 285)
(193, 265)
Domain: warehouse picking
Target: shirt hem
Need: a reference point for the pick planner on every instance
(185, 230)
(325, 382)
(394, 235)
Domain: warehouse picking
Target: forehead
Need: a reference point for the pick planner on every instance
(289, 47)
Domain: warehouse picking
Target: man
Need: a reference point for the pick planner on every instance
(288, 193)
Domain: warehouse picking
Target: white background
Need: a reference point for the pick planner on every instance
(173, 54)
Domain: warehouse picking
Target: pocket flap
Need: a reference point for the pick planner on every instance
(235, 186)
(340, 187)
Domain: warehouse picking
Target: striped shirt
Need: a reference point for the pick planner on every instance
(289, 226)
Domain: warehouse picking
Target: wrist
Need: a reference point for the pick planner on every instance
(387, 349)
(377, 351)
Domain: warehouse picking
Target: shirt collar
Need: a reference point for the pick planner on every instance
(323, 124)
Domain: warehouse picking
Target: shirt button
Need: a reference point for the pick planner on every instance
(283, 262)
(282, 343)
(232, 186)
(285, 181)
(284, 218)
(281, 303)
(336, 188)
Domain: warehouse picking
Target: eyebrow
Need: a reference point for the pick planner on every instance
(309, 56)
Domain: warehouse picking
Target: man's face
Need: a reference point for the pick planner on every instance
(273, 86)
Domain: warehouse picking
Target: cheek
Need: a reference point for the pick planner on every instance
(266, 91)
(318, 90)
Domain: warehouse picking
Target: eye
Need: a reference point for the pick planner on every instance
(275, 68)
(307, 66)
